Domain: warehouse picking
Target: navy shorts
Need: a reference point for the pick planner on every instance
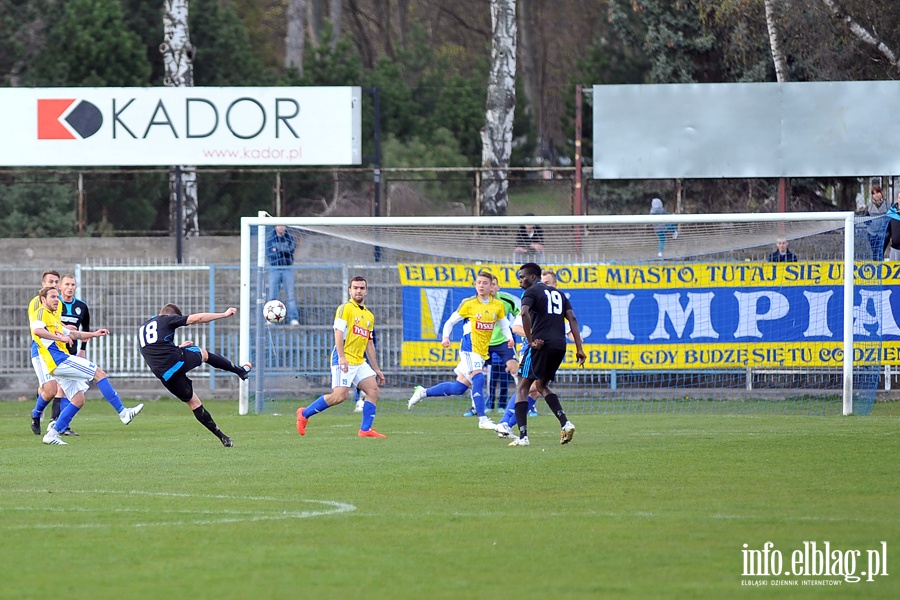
(503, 352)
(176, 380)
(541, 364)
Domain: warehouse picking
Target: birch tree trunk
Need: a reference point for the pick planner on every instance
(496, 136)
(862, 33)
(178, 58)
(295, 38)
(781, 70)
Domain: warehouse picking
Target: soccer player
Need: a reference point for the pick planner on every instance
(171, 363)
(74, 314)
(544, 312)
(484, 314)
(47, 387)
(508, 421)
(354, 326)
(496, 379)
(72, 373)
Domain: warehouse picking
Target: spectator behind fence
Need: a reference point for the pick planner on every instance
(782, 254)
(875, 228)
(892, 239)
(529, 243)
(280, 247)
(663, 229)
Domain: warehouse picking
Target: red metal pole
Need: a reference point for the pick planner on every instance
(782, 194)
(782, 200)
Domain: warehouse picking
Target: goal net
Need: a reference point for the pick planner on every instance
(686, 313)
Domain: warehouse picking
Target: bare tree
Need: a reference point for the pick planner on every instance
(361, 34)
(178, 58)
(383, 22)
(496, 136)
(335, 12)
(775, 43)
(862, 33)
(295, 38)
(527, 69)
(314, 17)
(403, 20)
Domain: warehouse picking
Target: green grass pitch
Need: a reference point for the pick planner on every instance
(638, 506)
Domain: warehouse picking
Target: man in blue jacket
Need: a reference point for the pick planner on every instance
(280, 246)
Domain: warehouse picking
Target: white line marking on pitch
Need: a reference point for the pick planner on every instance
(225, 515)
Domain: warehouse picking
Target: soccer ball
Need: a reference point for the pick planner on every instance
(274, 311)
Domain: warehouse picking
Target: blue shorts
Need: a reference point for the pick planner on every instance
(503, 353)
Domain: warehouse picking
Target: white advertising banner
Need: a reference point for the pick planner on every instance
(712, 130)
(232, 126)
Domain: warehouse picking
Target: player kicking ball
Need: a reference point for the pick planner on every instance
(354, 329)
(171, 363)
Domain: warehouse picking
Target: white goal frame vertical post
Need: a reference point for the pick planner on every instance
(571, 220)
(849, 280)
(246, 304)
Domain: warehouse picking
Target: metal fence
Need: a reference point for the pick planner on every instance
(120, 298)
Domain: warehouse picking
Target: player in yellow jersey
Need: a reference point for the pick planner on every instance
(354, 326)
(47, 388)
(484, 313)
(72, 373)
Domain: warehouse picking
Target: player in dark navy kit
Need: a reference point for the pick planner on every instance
(75, 315)
(171, 363)
(545, 311)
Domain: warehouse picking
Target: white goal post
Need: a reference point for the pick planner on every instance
(580, 240)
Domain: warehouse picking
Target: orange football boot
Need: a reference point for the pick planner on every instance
(370, 433)
(301, 421)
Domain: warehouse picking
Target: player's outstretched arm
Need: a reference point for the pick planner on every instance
(207, 317)
(44, 334)
(503, 323)
(87, 335)
(448, 328)
(576, 335)
(526, 323)
(339, 338)
(373, 362)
